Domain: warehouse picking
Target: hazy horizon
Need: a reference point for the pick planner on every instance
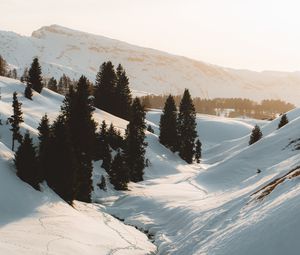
(256, 35)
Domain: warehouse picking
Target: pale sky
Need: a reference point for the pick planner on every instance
(247, 34)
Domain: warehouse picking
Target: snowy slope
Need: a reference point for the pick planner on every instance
(62, 50)
(211, 209)
(36, 223)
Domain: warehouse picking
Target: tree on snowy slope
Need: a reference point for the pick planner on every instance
(186, 124)
(255, 135)
(26, 162)
(105, 88)
(283, 121)
(35, 76)
(15, 121)
(123, 98)
(3, 66)
(43, 152)
(78, 109)
(118, 174)
(135, 144)
(52, 84)
(168, 125)
(62, 164)
(198, 151)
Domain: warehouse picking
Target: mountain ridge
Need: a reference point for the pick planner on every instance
(63, 50)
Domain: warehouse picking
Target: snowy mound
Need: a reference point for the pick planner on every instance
(62, 50)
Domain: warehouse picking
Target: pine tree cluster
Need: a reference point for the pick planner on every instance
(67, 147)
(178, 129)
(111, 91)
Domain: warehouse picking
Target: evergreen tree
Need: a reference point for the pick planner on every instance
(78, 110)
(283, 121)
(255, 135)
(28, 92)
(102, 184)
(105, 85)
(26, 162)
(62, 164)
(35, 76)
(168, 125)
(15, 121)
(198, 151)
(123, 98)
(3, 66)
(52, 84)
(135, 144)
(119, 174)
(114, 137)
(43, 153)
(187, 127)
(101, 137)
(24, 77)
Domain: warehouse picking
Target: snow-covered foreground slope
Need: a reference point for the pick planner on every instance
(222, 206)
(211, 208)
(62, 50)
(36, 223)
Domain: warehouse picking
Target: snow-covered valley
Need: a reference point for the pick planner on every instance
(206, 208)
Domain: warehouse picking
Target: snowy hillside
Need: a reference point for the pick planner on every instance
(62, 50)
(221, 206)
(36, 223)
(225, 206)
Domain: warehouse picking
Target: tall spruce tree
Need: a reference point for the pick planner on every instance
(52, 84)
(43, 152)
(123, 98)
(186, 127)
(35, 76)
(15, 120)
(135, 144)
(118, 174)
(26, 162)
(101, 136)
(78, 110)
(62, 163)
(105, 86)
(168, 125)
(283, 121)
(198, 151)
(256, 135)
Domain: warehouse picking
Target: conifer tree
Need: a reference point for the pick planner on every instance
(15, 120)
(3, 66)
(61, 171)
(168, 125)
(135, 144)
(26, 162)
(28, 92)
(123, 98)
(186, 127)
(43, 152)
(119, 174)
(35, 76)
(105, 85)
(101, 137)
(78, 110)
(114, 137)
(256, 135)
(24, 77)
(198, 151)
(283, 121)
(52, 84)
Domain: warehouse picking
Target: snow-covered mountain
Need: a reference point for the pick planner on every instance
(62, 50)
